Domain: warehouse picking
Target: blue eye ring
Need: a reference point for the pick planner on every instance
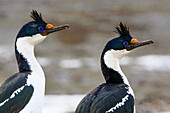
(125, 43)
(40, 28)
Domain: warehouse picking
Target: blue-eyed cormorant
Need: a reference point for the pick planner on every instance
(116, 95)
(23, 92)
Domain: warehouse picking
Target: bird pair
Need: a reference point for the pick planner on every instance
(23, 92)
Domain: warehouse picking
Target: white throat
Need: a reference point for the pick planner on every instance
(25, 46)
(111, 59)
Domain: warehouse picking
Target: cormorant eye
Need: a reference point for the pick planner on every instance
(125, 43)
(40, 28)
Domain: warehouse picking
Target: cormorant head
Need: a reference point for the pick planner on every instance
(35, 31)
(123, 44)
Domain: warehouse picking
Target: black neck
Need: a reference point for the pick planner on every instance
(22, 61)
(111, 76)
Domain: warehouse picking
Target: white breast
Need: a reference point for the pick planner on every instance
(36, 78)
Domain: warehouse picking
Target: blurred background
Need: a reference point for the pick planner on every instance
(71, 58)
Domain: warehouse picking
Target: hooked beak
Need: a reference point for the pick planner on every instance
(50, 29)
(135, 44)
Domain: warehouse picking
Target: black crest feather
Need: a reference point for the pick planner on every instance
(122, 30)
(36, 16)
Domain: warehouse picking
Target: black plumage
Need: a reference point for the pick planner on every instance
(37, 17)
(7, 101)
(104, 97)
(23, 64)
(122, 30)
(31, 28)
